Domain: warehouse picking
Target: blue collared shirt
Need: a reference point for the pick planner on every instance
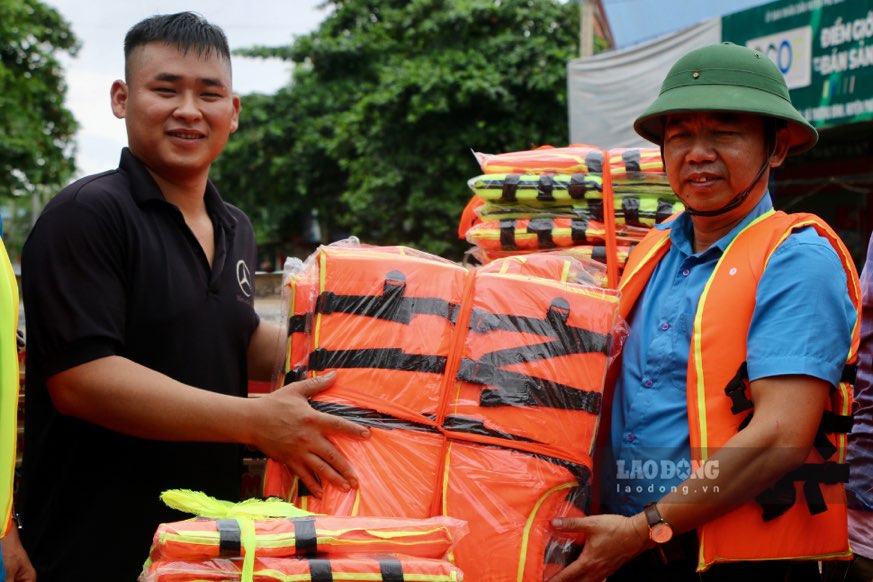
(802, 324)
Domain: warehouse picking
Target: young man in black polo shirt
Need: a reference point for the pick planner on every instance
(141, 328)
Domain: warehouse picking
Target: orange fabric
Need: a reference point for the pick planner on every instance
(411, 392)
(576, 158)
(348, 569)
(201, 539)
(508, 498)
(469, 216)
(396, 470)
(403, 469)
(726, 315)
(500, 352)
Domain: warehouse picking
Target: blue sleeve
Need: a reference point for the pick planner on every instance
(803, 316)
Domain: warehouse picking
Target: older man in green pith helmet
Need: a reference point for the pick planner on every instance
(723, 437)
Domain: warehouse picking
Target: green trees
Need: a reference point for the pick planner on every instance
(36, 130)
(387, 100)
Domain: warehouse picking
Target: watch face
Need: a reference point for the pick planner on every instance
(660, 533)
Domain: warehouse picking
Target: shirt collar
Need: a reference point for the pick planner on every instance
(144, 189)
(682, 229)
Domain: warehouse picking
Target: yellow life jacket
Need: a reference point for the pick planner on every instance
(718, 406)
(8, 385)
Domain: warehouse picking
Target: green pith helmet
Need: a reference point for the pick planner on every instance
(726, 77)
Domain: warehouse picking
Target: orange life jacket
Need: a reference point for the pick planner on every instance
(205, 539)
(508, 498)
(385, 568)
(520, 395)
(789, 529)
(575, 158)
(532, 365)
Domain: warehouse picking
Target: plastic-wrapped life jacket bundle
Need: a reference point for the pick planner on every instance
(206, 539)
(396, 469)
(386, 309)
(352, 568)
(573, 159)
(506, 441)
(533, 365)
(508, 499)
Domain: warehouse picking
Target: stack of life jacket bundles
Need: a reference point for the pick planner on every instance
(481, 388)
(274, 541)
(598, 202)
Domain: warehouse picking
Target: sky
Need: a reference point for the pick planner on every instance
(101, 25)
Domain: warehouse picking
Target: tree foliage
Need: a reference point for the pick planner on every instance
(387, 100)
(36, 130)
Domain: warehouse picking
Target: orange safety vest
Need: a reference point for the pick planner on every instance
(716, 385)
(393, 568)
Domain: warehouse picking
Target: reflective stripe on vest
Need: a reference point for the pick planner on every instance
(371, 568)
(717, 351)
(8, 385)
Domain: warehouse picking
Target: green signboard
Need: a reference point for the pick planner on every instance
(823, 47)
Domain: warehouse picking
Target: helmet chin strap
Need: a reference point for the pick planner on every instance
(738, 199)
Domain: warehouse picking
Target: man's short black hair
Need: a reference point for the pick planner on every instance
(184, 30)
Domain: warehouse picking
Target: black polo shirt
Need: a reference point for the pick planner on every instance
(111, 268)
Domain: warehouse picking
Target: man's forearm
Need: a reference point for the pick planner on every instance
(124, 396)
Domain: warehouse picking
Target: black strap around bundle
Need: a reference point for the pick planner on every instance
(370, 417)
(392, 305)
(510, 188)
(631, 159)
(458, 423)
(376, 358)
(391, 569)
(513, 389)
(229, 538)
(553, 325)
(544, 228)
(320, 570)
(305, 536)
(630, 206)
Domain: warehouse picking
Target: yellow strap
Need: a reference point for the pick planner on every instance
(197, 503)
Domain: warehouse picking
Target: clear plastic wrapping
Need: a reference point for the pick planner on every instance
(481, 388)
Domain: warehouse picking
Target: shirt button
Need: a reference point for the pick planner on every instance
(686, 272)
(648, 383)
(630, 437)
(665, 326)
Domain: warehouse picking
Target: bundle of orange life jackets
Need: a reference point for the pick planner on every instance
(582, 197)
(481, 388)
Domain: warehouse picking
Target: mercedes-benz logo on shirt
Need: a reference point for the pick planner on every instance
(243, 275)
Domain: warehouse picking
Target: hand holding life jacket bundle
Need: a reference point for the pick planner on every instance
(273, 540)
(574, 197)
(481, 389)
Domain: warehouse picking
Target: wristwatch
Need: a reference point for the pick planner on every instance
(660, 531)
